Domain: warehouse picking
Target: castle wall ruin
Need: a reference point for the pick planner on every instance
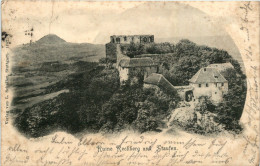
(123, 39)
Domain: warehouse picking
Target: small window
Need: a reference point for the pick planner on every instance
(151, 39)
(216, 84)
(118, 40)
(222, 84)
(216, 76)
(125, 39)
(215, 92)
(205, 69)
(207, 85)
(199, 85)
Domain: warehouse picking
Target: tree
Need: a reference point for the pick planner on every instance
(146, 120)
(133, 49)
(160, 48)
(234, 100)
(103, 60)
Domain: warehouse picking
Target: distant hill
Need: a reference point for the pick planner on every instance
(50, 39)
(53, 48)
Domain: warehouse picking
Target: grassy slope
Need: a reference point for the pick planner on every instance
(46, 62)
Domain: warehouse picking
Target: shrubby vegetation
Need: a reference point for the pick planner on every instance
(184, 59)
(230, 110)
(161, 48)
(191, 59)
(132, 49)
(96, 102)
(178, 63)
(73, 111)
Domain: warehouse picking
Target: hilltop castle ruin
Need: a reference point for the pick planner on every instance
(122, 39)
(114, 54)
(207, 82)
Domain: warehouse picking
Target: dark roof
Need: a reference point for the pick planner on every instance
(207, 75)
(136, 62)
(160, 81)
(154, 79)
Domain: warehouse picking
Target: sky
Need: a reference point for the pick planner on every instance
(94, 22)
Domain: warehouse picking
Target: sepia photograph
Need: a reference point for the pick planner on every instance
(155, 76)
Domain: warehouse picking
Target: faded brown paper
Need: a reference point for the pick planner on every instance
(26, 22)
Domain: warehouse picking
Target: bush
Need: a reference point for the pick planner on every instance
(217, 117)
(159, 48)
(134, 106)
(133, 49)
(146, 120)
(74, 111)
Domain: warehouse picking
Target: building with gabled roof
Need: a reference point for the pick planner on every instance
(137, 62)
(137, 68)
(160, 81)
(207, 75)
(155, 79)
(208, 82)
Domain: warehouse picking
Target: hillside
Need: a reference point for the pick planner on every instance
(53, 48)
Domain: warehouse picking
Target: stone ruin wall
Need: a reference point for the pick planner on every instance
(112, 51)
(124, 39)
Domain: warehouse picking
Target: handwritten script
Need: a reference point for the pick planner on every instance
(62, 151)
(252, 107)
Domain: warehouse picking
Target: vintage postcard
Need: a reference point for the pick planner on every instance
(104, 83)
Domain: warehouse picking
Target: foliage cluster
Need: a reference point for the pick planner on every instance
(186, 59)
(134, 49)
(95, 103)
(230, 109)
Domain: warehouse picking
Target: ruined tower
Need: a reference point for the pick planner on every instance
(112, 48)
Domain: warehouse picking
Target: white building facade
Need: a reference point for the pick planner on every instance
(208, 82)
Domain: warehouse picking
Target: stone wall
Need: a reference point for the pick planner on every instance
(183, 91)
(135, 73)
(127, 39)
